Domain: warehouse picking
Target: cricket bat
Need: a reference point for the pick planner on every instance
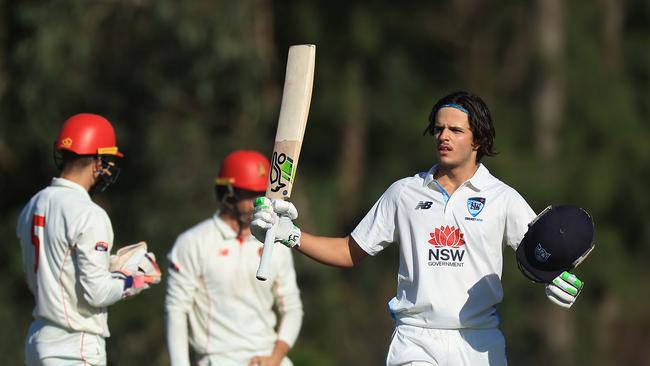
(296, 98)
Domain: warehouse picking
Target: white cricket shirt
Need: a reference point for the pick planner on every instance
(451, 247)
(212, 292)
(66, 241)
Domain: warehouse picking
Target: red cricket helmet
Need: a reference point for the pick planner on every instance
(244, 169)
(87, 134)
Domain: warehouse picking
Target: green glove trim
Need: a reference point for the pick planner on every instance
(259, 202)
(572, 279)
(565, 286)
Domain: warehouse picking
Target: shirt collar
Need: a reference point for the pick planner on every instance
(481, 178)
(225, 229)
(478, 181)
(428, 178)
(62, 182)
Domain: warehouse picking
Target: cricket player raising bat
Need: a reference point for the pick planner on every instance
(213, 301)
(452, 223)
(66, 242)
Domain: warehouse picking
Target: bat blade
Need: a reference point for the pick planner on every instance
(294, 110)
(296, 99)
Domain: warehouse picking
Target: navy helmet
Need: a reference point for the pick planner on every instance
(557, 240)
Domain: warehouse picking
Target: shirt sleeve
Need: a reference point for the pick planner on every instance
(378, 229)
(518, 216)
(23, 231)
(92, 250)
(182, 281)
(287, 298)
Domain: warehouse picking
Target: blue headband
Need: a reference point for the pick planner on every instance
(455, 106)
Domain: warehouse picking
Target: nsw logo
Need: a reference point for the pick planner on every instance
(448, 242)
(541, 254)
(475, 205)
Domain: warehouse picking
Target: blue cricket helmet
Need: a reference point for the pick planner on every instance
(558, 240)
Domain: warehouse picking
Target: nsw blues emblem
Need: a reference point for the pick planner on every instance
(541, 254)
(475, 205)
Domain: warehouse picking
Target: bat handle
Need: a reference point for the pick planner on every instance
(265, 261)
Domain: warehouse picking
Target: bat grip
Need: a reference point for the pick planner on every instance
(265, 261)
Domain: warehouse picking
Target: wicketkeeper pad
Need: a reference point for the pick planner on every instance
(135, 260)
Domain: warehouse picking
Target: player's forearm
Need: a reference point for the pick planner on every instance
(339, 252)
(100, 288)
(177, 338)
(280, 350)
(290, 325)
(102, 291)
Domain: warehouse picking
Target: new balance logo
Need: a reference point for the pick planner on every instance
(424, 205)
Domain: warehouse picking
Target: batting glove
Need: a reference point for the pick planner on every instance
(136, 267)
(564, 289)
(269, 212)
(133, 283)
(135, 260)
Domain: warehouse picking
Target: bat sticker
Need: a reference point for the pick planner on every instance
(282, 169)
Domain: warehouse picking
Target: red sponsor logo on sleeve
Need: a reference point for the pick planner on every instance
(101, 246)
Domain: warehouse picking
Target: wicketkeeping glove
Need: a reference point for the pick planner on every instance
(564, 289)
(133, 284)
(136, 266)
(268, 212)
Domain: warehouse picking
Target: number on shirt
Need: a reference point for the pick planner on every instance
(38, 225)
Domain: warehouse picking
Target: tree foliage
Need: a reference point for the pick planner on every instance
(186, 82)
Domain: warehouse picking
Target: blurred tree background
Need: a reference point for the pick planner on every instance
(185, 82)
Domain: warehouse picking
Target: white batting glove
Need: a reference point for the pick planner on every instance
(149, 268)
(136, 267)
(135, 260)
(128, 258)
(269, 212)
(133, 283)
(564, 289)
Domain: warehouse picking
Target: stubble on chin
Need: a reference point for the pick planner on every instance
(246, 217)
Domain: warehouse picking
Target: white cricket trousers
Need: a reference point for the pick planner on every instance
(234, 359)
(50, 345)
(415, 346)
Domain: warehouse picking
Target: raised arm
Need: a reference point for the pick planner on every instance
(338, 252)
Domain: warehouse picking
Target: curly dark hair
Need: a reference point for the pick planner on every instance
(480, 120)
